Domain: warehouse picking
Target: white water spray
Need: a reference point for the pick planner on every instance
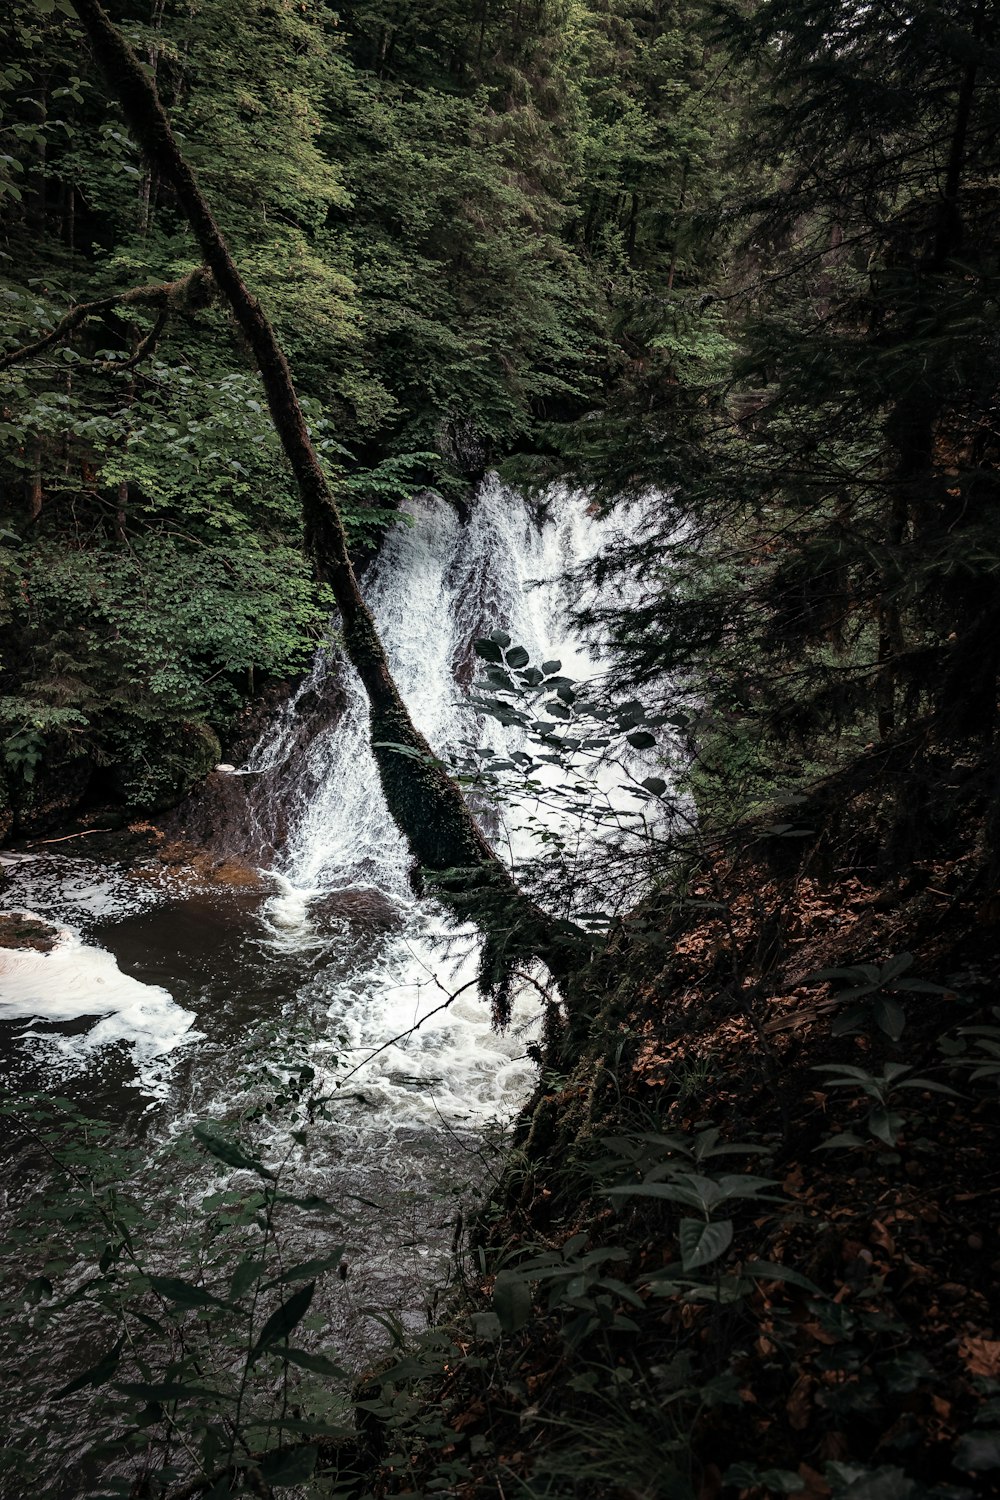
(436, 587)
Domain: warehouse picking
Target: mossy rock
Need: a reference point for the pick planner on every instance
(19, 929)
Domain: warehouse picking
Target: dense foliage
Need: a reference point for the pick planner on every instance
(451, 218)
(823, 578)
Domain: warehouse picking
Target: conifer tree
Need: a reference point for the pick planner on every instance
(826, 567)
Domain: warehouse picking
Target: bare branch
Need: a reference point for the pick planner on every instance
(405, 1035)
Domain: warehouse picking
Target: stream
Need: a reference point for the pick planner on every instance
(167, 993)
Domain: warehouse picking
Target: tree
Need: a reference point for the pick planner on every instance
(831, 593)
(424, 801)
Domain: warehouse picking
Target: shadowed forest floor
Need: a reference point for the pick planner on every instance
(825, 1322)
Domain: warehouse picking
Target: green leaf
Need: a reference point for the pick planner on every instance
(320, 1364)
(769, 1270)
(221, 1490)
(281, 1322)
(895, 966)
(665, 1190)
(844, 1140)
(703, 1243)
(170, 1390)
(890, 1017)
(488, 651)
(747, 1476)
(185, 1293)
(229, 1152)
(641, 739)
(246, 1274)
(307, 1268)
(656, 785)
(486, 1325)
(885, 1125)
(978, 1451)
(550, 667)
(294, 1466)
(98, 1374)
(517, 657)
(511, 1301)
(312, 1202)
(885, 1483)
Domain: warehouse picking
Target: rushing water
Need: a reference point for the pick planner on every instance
(164, 994)
(338, 929)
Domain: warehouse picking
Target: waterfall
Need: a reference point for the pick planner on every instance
(341, 943)
(436, 586)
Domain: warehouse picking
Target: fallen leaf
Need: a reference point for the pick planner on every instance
(814, 1485)
(799, 1404)
(882, 1237)
(982, 1356)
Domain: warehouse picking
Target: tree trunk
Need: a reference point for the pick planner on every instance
(424, 801)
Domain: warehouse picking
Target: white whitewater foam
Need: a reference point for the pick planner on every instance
(76, 980)
(435, 587)
(413, 1037)
(77, 890)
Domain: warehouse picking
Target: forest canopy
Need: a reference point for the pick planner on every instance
(452, 219)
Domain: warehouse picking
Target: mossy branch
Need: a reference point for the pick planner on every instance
(167, 296)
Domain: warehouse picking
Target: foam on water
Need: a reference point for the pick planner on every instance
(77, 890)
(412, 1037)
(75, 981)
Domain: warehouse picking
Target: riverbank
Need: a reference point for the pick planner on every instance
(747, 1240)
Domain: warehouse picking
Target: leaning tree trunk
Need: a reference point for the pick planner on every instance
(424, 801)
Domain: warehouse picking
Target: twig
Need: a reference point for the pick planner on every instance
(408, 1032)
(64, 838)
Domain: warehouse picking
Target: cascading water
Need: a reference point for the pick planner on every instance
(437, 585)
(337, 962)
(341, 931)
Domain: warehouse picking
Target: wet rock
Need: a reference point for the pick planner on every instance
(369, 908)
(309, 703)
(19, 929)
(244, 816)
(206, 867)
